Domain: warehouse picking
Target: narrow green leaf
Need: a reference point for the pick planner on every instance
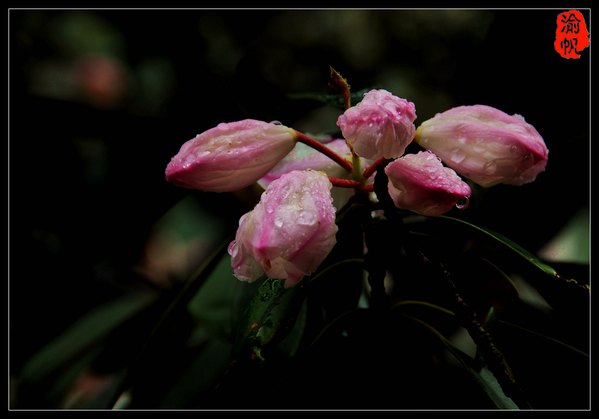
(494, 391)
(507, 280)
(505, 242)
(482, 376)
(83, 335)
(333, 266)
(542, 336)
(423, 304)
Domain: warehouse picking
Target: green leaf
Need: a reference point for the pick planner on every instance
(199, 376)
(270, 312)
(290, 344)
(505, 242)
(327, 270)
(482, 376)
(84, 335)
(420, 303)
(491, 386)
(339, 83)
(544, 337)
(213, 304)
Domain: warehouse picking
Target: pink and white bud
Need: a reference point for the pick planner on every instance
(485, 145)
(381, 125)
(420, 183)
(304, 157)
(289, 232)
(230, 156)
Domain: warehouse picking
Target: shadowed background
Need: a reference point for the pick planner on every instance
(101, 100)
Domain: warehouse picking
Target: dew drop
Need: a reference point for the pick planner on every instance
(233, 249)
(457, 155)
(306, 218)
(463, 203)
(278, 222)
(275, 122)
(490, 167)
(478, 148)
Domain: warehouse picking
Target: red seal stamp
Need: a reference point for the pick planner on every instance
(571, 35)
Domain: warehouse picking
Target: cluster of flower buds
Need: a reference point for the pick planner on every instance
(292, 229)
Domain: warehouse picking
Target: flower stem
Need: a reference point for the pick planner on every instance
(369, 171)
(303, 138)
(344, 183)
(368, 188)
(493, 356)
(356, 167)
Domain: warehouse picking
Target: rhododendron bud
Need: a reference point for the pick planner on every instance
(289, 232)
(381, 125)
(485, 144)
(230, 156)
(305, 157)
(420, 183)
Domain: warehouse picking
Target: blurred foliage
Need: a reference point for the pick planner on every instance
(117, 296)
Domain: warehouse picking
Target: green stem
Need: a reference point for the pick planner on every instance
(356, 166)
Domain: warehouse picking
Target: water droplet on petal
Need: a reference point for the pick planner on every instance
(490, 167)
(275, 122)
(513, 149)
(457, 155)
(306, 218)
(463, 203)
(278, 222)
(233, 249)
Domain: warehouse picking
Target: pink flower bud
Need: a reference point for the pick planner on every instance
(485, 144)
(289, 232)
(381, 125)
(304, 157)
(420, 183)
(230, 156)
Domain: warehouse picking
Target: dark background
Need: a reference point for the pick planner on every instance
(88, 147)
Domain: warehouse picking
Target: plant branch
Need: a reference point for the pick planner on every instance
(317, 145)
(494, 357)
